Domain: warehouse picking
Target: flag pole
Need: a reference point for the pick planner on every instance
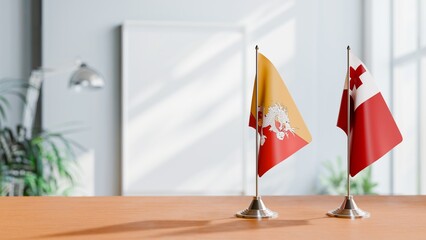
(348, 209)
(257, 127)
(257, 208)
(348, 186)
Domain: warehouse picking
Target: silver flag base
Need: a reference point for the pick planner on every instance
(257, 209)
(348, 209)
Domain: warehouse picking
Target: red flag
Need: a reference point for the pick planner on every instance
(373, 129)
(281, 127)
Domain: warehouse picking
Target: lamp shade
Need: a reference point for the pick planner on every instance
(86, 77)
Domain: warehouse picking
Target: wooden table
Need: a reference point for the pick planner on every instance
(301, 217)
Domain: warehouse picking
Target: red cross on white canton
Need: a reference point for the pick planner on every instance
(355, 76)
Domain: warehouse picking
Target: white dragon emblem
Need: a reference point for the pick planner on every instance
(276, 113)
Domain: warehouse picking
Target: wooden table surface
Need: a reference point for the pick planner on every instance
(300, 217)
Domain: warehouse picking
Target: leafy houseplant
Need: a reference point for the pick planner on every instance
(334, 182)
(32, 166)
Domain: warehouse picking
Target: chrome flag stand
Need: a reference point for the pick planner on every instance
(348, 209)
(257, 208)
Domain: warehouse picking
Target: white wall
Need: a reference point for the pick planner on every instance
(15, 47)
(305, 39)
(394, 50)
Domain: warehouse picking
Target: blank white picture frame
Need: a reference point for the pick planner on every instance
(184, 108)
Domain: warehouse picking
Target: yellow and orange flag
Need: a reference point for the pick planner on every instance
(280, 125)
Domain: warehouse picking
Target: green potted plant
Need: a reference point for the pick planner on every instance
(334, 180)
(32, 166)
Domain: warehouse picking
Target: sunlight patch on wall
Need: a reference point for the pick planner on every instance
(265, 13)
(218, 43)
